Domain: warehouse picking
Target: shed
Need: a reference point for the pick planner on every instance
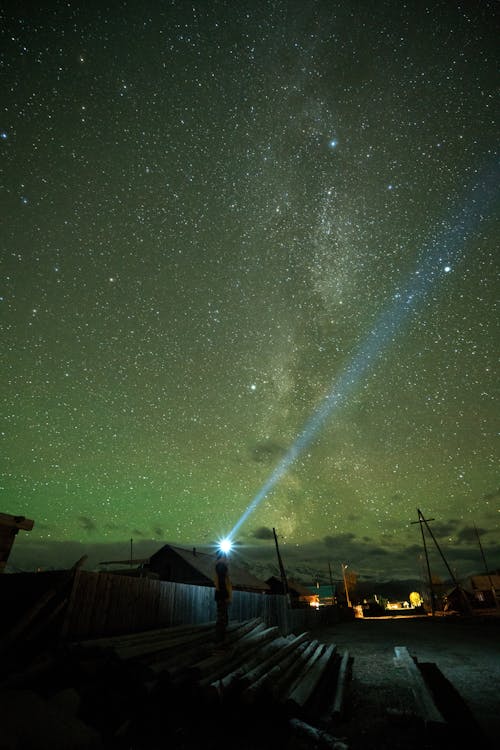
(198, 569)
(299, 594)
(486, 589)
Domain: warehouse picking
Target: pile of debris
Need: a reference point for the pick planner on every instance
(178, 688)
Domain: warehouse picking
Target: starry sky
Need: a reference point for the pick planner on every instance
(207, 210)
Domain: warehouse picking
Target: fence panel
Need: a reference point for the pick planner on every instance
(107, 604)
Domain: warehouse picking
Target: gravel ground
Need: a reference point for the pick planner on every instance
(380, 708)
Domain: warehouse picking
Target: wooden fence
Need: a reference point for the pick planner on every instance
(106, 604)
(80, 604)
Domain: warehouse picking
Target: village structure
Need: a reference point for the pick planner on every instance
(172, 627)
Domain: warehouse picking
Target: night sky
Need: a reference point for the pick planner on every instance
(208, 208)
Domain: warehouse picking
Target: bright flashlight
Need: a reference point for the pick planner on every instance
(225, 546)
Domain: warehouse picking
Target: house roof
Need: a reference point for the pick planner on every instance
(299, 588)
(204, 564)
(484, 582)
(293, 586)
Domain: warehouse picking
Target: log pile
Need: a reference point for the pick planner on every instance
(178, 688)
(255, 673)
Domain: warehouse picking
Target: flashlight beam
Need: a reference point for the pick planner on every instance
(437, 258)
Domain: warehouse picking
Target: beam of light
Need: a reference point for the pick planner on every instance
(437, 258)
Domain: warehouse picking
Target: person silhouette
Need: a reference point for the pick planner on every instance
(223, 595)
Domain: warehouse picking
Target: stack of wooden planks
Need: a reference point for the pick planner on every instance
(255, 673)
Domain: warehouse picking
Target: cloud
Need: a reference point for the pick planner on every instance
(443, 529)
(48, 555)
(339, 541)
(266, 453)
(263, 532)
(468, 534)
(377, 551)
(87, 524)
(308, 562)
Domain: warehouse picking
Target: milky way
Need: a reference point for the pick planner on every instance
(208, 208)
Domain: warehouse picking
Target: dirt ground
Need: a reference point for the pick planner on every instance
(380, 703)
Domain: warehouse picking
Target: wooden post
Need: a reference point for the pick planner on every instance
(493, 591)
(331, 581)
(452, 575)
(280, 563)
(345, 585)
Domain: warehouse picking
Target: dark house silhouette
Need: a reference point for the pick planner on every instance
(198, 569)
(300, 595)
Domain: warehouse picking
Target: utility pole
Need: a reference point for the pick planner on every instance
(486, 568)
(345, 584)
(284, 581)
(422, 520)
(331, 581)
(131, 556)
(452, 575)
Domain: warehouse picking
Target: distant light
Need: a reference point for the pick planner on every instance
(447, 269)
(225, 546)
(333, 143)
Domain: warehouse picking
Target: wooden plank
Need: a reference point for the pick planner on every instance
(427, 709)
(253, 670)
(68, 615)
(105, 593)
(342, 679)
(310, 678)
(245, 649)
(96, 612)
(141, 603)
(84, 604)
(155, 603)
(116, 608)
(315, 738)
(335, 708)
(341, 687)
(166, 604)
(284, 682)
(291, 645)
(271, 683)
(131, 614)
